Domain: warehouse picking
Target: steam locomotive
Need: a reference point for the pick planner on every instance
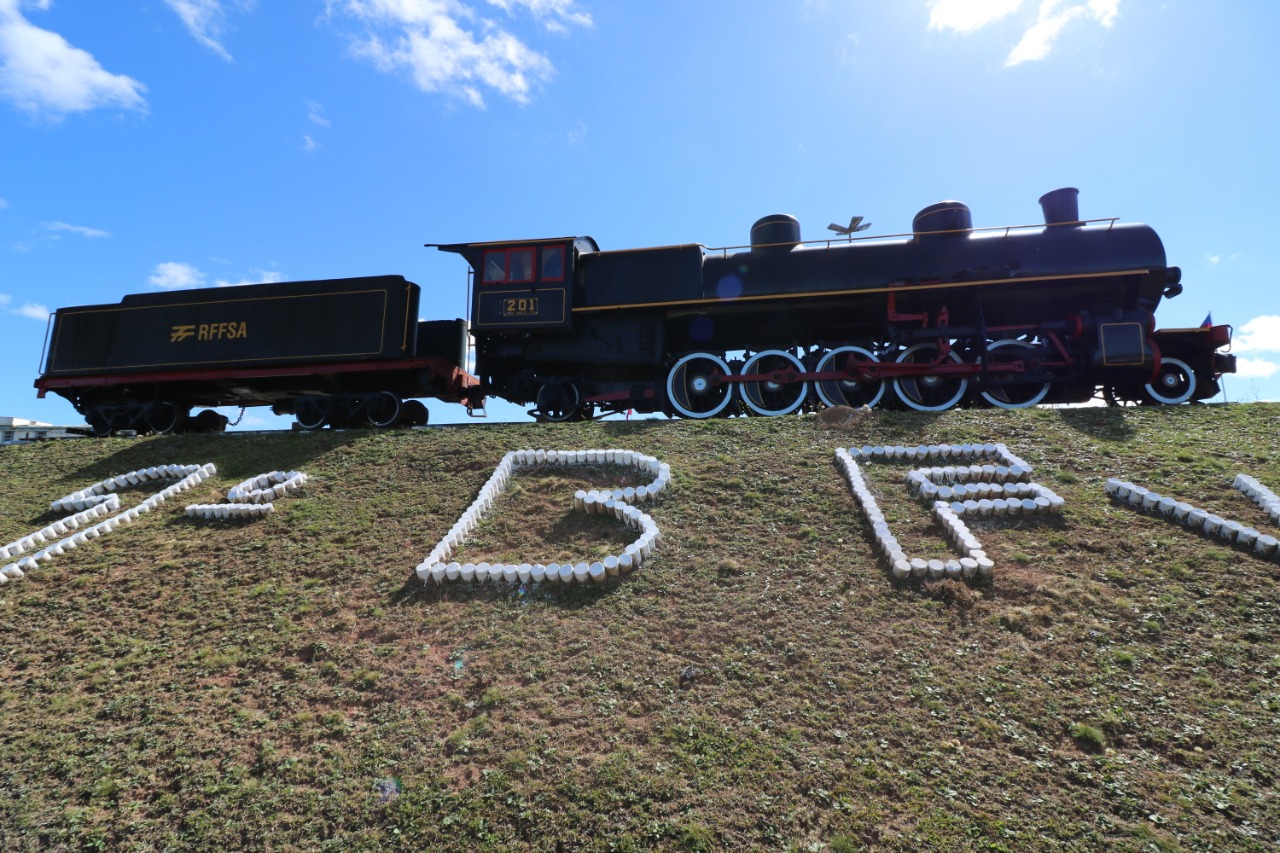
(946, 315)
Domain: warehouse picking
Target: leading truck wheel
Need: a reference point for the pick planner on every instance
(696, 388)
(382, 410)
(558, 402)
(929, 393)
(1174, 384)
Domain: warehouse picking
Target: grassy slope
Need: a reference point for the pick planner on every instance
(179, 685)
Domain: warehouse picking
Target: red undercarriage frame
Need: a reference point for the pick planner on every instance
(459, 383)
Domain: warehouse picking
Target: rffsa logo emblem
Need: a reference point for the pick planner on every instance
(209, 332)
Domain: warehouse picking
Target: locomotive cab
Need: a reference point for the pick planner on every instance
(523, 285)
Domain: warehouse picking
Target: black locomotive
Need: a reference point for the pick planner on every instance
(947, 315)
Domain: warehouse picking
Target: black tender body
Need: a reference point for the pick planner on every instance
(336, 351)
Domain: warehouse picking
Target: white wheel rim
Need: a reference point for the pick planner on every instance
(827, 390)
(1187, 373)
(395, 415)
(1004, 404)
(676, 376)
(751, 390)
(923, 407)
(567, 413)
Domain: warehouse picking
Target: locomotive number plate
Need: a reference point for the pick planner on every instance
(524, 306)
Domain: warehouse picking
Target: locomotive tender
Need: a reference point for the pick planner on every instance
(946, 315)
(341, 352)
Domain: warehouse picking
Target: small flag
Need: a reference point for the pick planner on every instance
(1208, 321)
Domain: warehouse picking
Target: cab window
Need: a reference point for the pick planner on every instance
(508, 265)
(553, 263)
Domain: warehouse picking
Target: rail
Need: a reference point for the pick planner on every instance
(831, 242)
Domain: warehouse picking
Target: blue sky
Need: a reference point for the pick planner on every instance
(150, 144)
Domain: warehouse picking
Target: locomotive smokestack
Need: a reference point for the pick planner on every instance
(1061, 207)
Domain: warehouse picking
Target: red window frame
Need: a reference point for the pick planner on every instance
(506, 254)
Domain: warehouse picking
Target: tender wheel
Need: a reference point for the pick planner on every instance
(165, 418)
(1004, 390)
(99, 424)
(382, 410)
(779, 395)
(415, 413)
(558, 402)
(929, 393)
(1174, 384)
(695, 387)
(851, 392)
(311, 412)
(209, 421)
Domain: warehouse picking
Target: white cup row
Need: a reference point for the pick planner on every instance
(974, 562)
(616, 502)
(595, 572)
(191, 475)
(880, 453)
(265, 488)
(950, 475)
(60, 528)
(585, 457)
(457, 535)
(96, 493)
(1259, 494)
(1199, 520)
(220, 512)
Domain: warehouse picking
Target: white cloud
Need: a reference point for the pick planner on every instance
(41, 73)
(30, 309)
(1212, 259)
(1037, 42)
(4, 205)
(555, 15)
(965, 16)
(1261, 334)
(309, 144)
(445, 46)
(172, 275)
(205, 20)
(75, 229)
(1255, 368)
(260, 277)
(33, 310)
(315, 113)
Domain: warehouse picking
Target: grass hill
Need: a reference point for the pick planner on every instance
(762, 683)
